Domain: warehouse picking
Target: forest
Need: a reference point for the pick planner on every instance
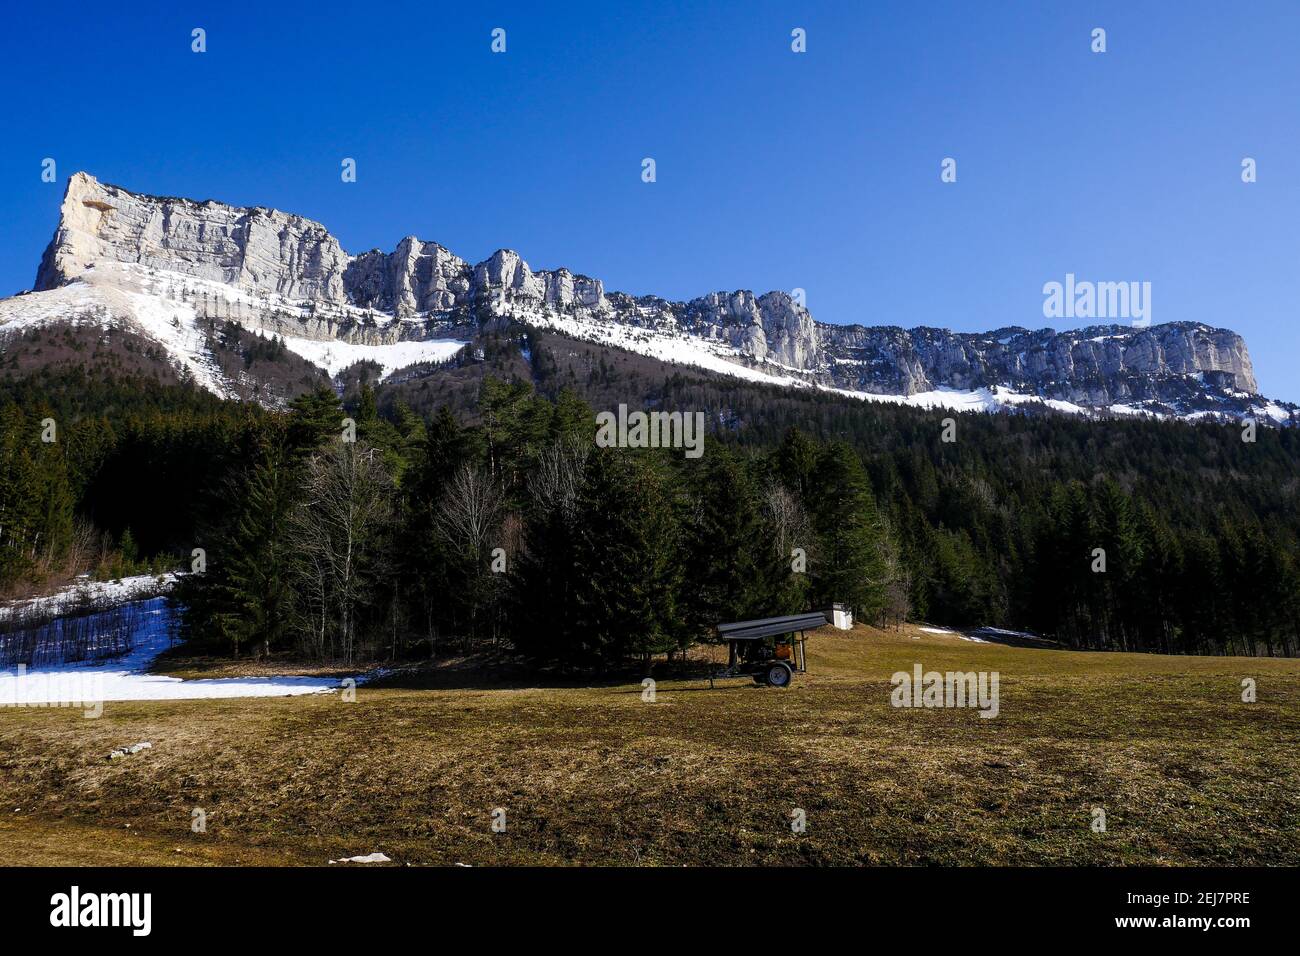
(357, 528)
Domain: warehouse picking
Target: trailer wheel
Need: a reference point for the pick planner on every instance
(779, 674)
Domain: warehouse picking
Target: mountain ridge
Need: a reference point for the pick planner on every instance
(282, 274)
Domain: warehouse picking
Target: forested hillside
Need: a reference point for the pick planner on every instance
(491, 519)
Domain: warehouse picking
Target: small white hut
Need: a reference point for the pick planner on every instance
(839, 616)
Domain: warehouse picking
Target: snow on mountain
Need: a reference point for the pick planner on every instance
(334, 357)
(121, 296)
(173, 268)
(167, 307)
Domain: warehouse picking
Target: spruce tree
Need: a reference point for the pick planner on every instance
(730, 564)
(849, 567)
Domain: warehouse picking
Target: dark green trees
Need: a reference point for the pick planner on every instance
(36, 499)
(507, 530)
(600, 578)
(850, 562)
(243, 594)
(627, 560)
(730, 561)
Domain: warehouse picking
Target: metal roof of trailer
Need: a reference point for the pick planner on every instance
(770, 626)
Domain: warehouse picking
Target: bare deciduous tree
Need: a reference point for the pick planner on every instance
(469, 514)
(791, 525)
(338, 533)
(469, 519)
(558, 478)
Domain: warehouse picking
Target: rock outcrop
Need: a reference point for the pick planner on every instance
(416, 277)
(253, 249)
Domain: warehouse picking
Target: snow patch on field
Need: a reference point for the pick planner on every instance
(89, 683)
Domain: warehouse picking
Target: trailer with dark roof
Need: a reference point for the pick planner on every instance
(767, 648)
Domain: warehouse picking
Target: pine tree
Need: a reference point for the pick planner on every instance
(627, 563)
(730, 564)
(257, 555)
(849, 567)
(317, 419)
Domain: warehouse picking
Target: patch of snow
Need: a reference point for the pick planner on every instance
(1272, 410)
(117, 591)
(995, 399)
(981, 400)
(368, 858)
(172, 324)
(1000, 632)
(125, 678)
(668, 346)
(162, 306)
(335, 356)
(937, 630)
(1006, 396)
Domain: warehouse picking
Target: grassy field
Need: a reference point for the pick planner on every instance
(1184, 770)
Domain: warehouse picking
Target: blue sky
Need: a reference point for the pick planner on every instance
(775, 170)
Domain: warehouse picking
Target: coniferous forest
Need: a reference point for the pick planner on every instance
(358, 528)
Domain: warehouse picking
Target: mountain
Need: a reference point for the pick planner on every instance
(198, 282)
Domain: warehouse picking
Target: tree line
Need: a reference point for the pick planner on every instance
(509, 528)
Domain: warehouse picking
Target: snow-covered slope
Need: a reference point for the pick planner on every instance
(173, 310)
(127, 303)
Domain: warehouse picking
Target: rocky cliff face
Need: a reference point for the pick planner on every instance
(416, 277)
(1102, 365)
(280, 262)
(253, 249)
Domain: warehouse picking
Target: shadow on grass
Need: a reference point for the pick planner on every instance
(485, 672)
(179, 661)
(474, 671)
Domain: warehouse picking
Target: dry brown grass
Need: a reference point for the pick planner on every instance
(1185, 771)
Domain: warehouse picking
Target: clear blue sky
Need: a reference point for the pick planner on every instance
(775, 170)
